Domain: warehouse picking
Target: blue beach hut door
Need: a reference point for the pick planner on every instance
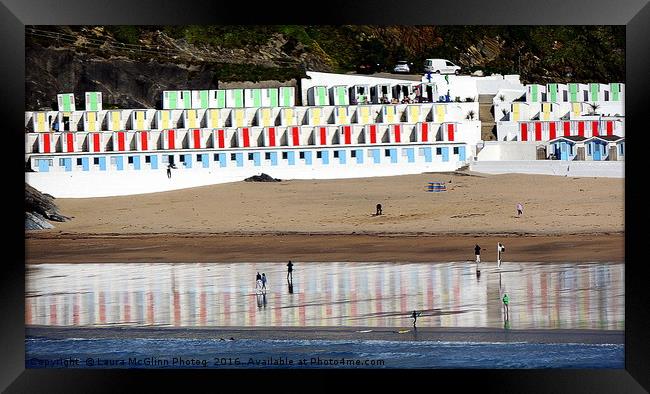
(564, 151)
(596, 150)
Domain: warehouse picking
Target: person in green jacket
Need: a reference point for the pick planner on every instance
(506, 300)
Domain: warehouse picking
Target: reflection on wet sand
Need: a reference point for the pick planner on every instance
(588, 296)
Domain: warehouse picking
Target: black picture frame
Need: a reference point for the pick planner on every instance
(16, 14)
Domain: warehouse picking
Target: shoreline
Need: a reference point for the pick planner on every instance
(197, 247)
(443, 334)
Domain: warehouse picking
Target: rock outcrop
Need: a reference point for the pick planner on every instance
(39, 208)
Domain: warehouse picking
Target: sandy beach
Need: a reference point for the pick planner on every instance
(565, 219)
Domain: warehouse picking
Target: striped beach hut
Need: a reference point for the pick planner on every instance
(439, 113)
(95, 142)
(214, 117)
(339, 95)
(200, 99)
(217, 98)
(341, 115)
(389, 114)
(244, 137)
(519, 111)
(222, 138)
(427, 91)
(41, 121)
(271, 137)
(427, 131)
(177, 99)
(317, 95)
(535, 93)
(238, 117)
(294, 136)
(315, 116)
(191, 119)
(377, 92)
(617, 91)
(235, 98)
(170, 139)
(139, 120)
(164, 119)
(114, 120)
(402, 90)
(252, 98)
(364, 114)
(396, 133)
(91, 121)
(360, 94)
(288, 117)
(46, 142)
(449, 130)
(121, 141)
(557, 92)
(93, 101)
(196, 138)
(68, 142)
(372, 134)
(143, 140)
(323, 135)
(264, 117)
(287, 96)
(66, 102)
(578, 92)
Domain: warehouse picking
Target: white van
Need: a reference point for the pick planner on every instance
(441, 66)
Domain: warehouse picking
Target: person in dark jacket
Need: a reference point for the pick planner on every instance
(477, 252)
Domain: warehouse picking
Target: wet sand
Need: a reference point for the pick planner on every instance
(343, 333)
(200, 247)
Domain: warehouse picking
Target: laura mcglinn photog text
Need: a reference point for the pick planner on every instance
(184, 362)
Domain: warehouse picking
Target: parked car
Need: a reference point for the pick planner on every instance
(441, 66)
(368, 68)
(402, 67)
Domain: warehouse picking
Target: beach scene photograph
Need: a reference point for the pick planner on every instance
(324, 197)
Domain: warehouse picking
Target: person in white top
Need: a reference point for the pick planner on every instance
(520, 209)
(500, 249)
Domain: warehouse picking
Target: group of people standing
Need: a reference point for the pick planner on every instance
(260, 280)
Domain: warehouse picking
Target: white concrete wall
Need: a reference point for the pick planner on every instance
(79, 184)
(606, 169)
(495, 83)
(509, 150)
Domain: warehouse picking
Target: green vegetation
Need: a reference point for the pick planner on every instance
(540, 54)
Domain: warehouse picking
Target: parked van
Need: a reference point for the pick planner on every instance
(441, 66)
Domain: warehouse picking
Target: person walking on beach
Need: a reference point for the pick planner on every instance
(500, 249)
(506, 300)
(379, 211)
(520, 209)
(263, 280)
(290, 271)
(415, 315)
(169, 171)
(258, 281)
(477, 252)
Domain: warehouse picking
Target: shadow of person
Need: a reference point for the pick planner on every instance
(264, 299)
(259, 300)
(290, 286)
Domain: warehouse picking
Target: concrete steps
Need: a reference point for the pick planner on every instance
(485, 115)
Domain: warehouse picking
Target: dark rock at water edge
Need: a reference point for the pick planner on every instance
(262, 178)
(34, 221)
(40, 207)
